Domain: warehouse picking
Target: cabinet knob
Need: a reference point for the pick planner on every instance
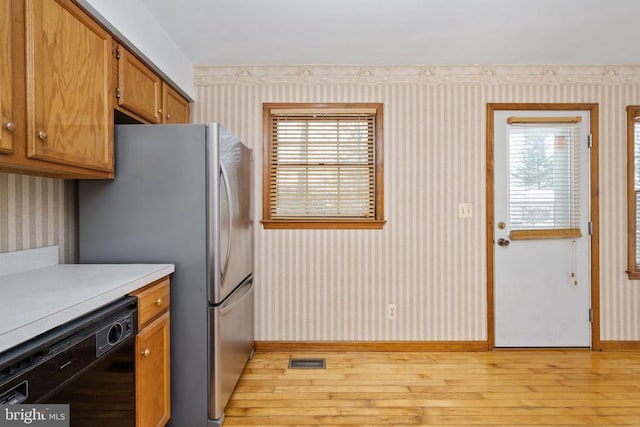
(168, 116)
(159, 301)
(42, 135)
(11, 127)
(146, 353)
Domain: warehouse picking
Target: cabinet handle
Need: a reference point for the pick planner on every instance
(11, 127)
(42, 135)
(159, 301)
(146, 353)
(168, 116)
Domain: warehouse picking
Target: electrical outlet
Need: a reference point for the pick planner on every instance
(391, 311)
(465, 210)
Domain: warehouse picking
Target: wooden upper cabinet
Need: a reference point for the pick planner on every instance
(139, 88)
(69, 111)
(7, 119)
(61, 76)
(175, 108)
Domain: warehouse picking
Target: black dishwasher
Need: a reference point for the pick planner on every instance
(87, 363)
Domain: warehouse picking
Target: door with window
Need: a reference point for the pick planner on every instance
(541, 229)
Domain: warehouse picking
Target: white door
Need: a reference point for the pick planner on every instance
(541, 236)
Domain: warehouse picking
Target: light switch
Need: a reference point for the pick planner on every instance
(465, 210)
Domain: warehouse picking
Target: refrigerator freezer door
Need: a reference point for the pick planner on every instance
(231, 341)
(231, 220)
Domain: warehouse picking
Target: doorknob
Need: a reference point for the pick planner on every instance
(503, 242)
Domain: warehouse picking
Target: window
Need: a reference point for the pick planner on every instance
(544, 177)
(633, 191)
(322, 166)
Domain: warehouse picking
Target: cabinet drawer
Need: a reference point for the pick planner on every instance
(152, 301)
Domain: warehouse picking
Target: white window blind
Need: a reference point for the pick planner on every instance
(544, 169)
(322, 165)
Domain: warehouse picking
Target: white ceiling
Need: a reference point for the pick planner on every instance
(402, 32)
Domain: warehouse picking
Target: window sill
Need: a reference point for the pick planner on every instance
(324, 224)
(633, 275)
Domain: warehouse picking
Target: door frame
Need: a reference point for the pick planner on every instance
(594, 210)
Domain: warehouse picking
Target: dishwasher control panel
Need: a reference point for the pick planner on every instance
(113, 334)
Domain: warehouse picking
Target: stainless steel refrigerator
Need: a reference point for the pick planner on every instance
(182, 195)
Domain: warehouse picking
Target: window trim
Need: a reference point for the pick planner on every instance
(323, 223)
(633, 269)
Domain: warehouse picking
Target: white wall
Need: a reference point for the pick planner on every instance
(335, 284)
(131, 21)
(36, 212)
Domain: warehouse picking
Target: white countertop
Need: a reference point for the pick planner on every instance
(37, 300)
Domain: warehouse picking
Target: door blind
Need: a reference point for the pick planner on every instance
(544, 177)
(322, 166)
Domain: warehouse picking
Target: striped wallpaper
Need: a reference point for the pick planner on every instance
(335, 285)
(36, 212)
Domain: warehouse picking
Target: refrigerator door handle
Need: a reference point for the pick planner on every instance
(236, 298)
(227, 189)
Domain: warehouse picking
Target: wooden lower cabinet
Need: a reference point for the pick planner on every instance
(153, 401)
(153, 390)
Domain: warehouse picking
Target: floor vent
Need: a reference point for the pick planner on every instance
(307, 363)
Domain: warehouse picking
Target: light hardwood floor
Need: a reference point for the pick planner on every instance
(499, 388)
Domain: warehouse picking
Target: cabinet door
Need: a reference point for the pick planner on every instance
(152, 374)
(174, 107)
(68, 63)
(139, 88)
(7, 119)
